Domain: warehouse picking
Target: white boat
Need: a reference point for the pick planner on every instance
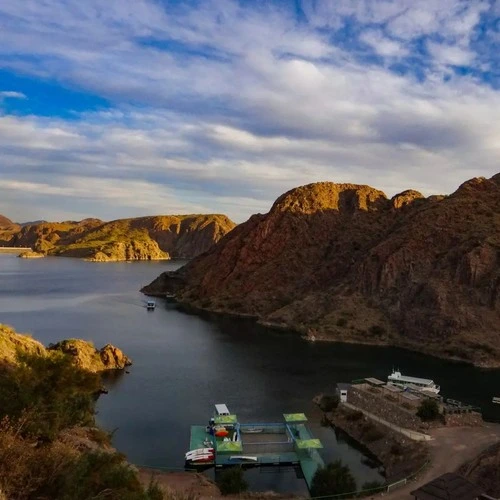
(199, 451)
(150, 305)
(423, 384)
(496, 400)
(251, 430)
(243, 458)
(201, 459)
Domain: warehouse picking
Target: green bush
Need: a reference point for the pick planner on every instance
(334, 479)
(329, 403)
(54, 392)
(231, 481)
(428, 410)
(95, 473)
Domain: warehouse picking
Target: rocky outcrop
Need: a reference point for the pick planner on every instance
(84, 354)
(11, 343)
(342, 262)
(87, 357)
(143, 238)
(30, 254)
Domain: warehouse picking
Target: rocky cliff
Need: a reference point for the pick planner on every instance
(83, 353)
(343, 262)
(144, 238)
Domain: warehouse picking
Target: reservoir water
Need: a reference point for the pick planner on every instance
(184, 363)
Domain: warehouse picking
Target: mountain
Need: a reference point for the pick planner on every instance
(343, 262)
(143, 238)
(7, 230)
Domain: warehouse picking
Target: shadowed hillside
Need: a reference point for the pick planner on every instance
(342, 262)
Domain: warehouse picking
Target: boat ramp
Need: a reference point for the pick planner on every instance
(286, 443)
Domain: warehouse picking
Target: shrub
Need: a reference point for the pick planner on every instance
(231, 481)
(428, 410)
(378, 330)
(52, 390)
(329, 403)
(95, 473)
(342, 322)
(334, 479)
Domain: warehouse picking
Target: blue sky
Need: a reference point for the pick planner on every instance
(134, 107)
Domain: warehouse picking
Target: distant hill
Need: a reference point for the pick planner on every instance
(7, 230)
(143, 238)
(343, 262)
(31, 223)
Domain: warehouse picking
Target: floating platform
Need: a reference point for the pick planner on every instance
(288, 443)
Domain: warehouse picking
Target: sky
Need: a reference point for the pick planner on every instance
(123, 108)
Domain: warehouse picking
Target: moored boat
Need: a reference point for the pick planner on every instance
(199, 451)
(423, 384)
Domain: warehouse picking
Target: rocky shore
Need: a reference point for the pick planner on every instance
(30, 254)
(82, 352)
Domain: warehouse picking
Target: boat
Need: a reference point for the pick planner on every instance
(496, 400)
(201, 459)
(199, 451)
(251, 430)
(243, 458)
(423, 384)
(150, 305)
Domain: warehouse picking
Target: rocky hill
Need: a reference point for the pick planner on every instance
(83, 353)
(343, 262)
(144, 238)
(7, 230)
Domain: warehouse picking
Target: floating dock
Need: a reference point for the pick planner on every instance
(287, 443)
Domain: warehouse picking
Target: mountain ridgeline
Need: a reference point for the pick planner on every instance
(143, 238)
(343, 262)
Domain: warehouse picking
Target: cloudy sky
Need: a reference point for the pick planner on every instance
(123, 108)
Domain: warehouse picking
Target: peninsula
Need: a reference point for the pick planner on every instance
(342, 262)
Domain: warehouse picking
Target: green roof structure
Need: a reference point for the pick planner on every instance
(294, 418)
(303, 444)
(229, 446)
(225, 420)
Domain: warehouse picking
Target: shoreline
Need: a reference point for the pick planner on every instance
(407, 346)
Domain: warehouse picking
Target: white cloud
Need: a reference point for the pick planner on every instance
(383, 45)
(10, 94)
(224, 107)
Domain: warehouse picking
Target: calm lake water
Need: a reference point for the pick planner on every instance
(183, 363)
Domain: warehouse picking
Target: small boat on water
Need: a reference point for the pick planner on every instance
(496, 400)
(200, 451)
(150, 305)
(243, 458)
(423, 384)
(207, 458)
(251, 430)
